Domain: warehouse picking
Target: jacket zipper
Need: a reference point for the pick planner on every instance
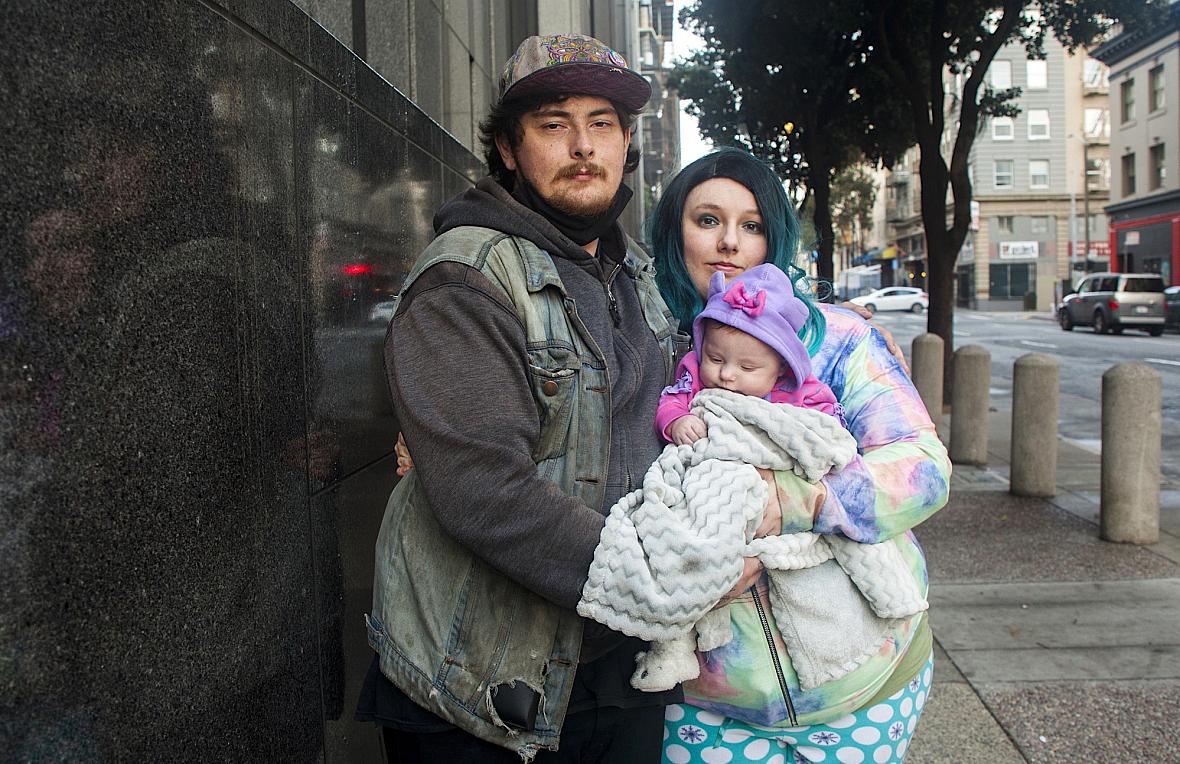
(612, 303)
(778, 666)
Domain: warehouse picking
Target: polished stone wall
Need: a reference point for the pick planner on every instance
(203, 203)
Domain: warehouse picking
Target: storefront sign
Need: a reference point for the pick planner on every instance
(1019, 250)
(1132, 238)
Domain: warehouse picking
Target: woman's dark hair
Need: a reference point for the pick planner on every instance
(666, 233)
(504, 119)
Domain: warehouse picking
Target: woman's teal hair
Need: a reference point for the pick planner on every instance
(665, 232)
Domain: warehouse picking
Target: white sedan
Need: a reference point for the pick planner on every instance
(894, 298)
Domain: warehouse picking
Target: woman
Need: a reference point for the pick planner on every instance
(727, 212)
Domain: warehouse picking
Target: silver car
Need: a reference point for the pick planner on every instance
(1111, 302)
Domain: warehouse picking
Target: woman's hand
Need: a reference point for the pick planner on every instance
(772, 517)
(890, 343)
(404, 462)
(750, 575)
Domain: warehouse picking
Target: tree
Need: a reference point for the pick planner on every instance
(788, 83)
(854, 192)
(920, 46)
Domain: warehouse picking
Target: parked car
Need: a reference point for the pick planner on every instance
(1172, 307)
(1111, 302)
(894, 298)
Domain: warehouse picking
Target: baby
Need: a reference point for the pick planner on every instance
(747, 341)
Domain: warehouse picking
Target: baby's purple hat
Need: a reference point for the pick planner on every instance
(762, 303)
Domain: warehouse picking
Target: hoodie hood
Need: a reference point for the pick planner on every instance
(489, 205)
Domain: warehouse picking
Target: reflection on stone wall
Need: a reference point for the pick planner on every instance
(207, 208)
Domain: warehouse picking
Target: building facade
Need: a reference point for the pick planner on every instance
(1040, 181)
(1144, 207)
(207, 206)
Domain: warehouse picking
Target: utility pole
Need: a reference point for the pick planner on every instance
(1086, 196)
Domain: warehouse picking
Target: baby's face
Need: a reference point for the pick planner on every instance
(733, 360)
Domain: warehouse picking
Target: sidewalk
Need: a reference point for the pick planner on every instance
(1050, 644)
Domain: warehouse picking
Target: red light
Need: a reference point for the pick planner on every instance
(356, 269)
(1113, 305)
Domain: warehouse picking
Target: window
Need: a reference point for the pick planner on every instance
(1004, 173)
(1004, 223)
(1097, 123)
(1159, 171)
(1128, 174)
(1037, 73)
(1038, 173)
(1098, 174)
(1127, 99)
(1095, 76)
(1155, 85)
(1001, 74)
(1038, 124)
(1039, 225)
(1002, 129)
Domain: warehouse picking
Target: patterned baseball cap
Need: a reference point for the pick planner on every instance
(575, 64)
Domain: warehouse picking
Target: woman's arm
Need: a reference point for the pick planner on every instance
(903, 473)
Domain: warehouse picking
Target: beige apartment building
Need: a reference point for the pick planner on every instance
(1040, 181)
(1144, 207)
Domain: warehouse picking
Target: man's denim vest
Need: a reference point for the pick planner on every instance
(449, 629)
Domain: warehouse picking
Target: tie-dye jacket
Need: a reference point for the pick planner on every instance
(901, 477)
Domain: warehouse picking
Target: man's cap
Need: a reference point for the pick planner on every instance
(573, 64)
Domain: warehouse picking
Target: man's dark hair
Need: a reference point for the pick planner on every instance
(504, 119)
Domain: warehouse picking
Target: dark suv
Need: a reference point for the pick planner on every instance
(1111, 302)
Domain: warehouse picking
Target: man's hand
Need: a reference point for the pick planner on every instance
(890, 343)
(404, 462)
(687, 430)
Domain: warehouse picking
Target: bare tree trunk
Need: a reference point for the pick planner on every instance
(822, 188)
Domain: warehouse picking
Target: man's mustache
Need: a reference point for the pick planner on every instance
(582, 168)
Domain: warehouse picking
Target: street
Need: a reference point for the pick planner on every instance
(1084, 356)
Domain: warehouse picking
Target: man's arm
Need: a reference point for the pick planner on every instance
(455, 354)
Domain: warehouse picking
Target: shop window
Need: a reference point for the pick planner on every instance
(1010, 281)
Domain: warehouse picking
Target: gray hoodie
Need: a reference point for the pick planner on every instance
(458, 372)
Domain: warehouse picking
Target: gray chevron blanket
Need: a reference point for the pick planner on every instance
(670, 550)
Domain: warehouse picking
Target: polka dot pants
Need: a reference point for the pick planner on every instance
(880, 733)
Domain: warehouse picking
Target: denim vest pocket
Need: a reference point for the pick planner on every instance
(553, 373)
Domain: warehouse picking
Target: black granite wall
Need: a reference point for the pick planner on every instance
(203, 203)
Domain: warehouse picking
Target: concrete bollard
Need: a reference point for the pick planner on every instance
(1131, 441)
(1036, 381)
(972, 367)
(927, 364)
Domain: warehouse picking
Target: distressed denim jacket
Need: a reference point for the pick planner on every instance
(447, 627)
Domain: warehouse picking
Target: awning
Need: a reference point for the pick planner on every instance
(889, 253)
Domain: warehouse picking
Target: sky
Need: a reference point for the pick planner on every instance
(684, 43)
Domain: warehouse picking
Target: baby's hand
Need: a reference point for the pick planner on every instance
(687, 430)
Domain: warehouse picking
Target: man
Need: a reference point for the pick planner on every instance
(526, 357)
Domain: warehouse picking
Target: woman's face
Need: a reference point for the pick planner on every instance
(722, 230)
